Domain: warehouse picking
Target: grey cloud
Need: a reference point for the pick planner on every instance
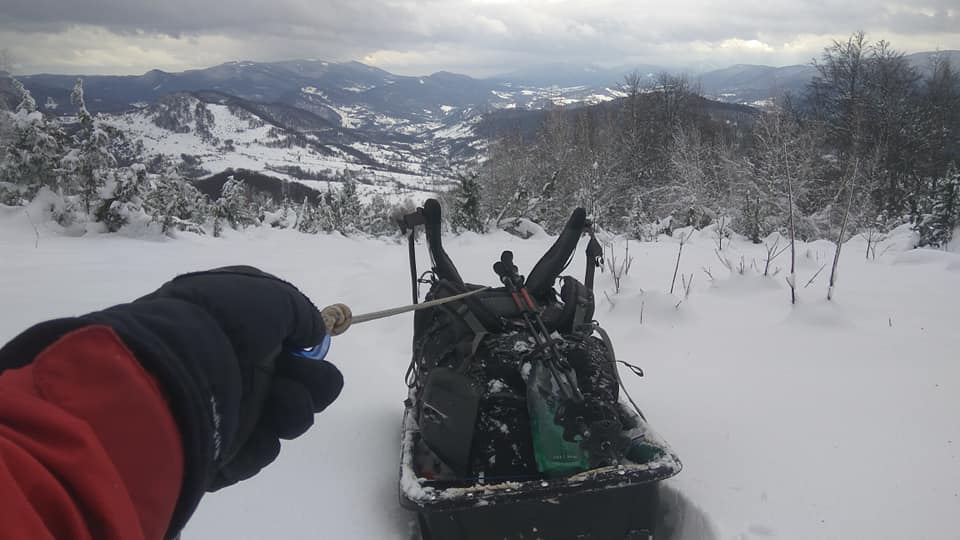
(482, 34)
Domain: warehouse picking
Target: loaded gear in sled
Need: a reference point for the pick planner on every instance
(516, 424)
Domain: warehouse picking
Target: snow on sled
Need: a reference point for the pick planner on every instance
(516, 426)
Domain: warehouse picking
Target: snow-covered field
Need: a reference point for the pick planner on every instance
(824, 420)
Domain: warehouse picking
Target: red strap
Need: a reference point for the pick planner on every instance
(526, 296)
(88, 447)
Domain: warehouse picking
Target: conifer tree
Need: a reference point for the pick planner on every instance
(31, 150)
(90, 160)
(27, 103)
(637, 220)
(234, 205)
(327, 213)
(348, 207)
(124, 198)
(308, 218)
(176, 204)
(466, 205)
(378, 217)
(937, 228)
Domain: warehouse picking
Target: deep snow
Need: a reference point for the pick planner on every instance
(825, 420)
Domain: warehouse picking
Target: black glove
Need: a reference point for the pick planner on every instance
(217, 341)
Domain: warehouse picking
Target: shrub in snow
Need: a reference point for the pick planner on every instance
(375, 217)
(346, 207)
(121, 197)
(176, 204)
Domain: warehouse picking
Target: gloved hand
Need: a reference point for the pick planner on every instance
(217, 342)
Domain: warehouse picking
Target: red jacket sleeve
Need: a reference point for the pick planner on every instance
(88, 446)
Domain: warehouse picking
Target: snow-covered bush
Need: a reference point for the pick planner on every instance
(121, 197)
(176, 204)
(936, 228)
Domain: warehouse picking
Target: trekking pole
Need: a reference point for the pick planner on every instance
(554, 361)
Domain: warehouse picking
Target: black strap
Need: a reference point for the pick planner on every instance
(594, 259)
(479, 331)
(612, 356)
(463, 312)
(408, 226)
(413, 266)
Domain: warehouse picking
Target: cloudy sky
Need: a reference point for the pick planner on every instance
(476, 37)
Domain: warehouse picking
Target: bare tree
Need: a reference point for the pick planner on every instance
(792, 280)
(843, 228)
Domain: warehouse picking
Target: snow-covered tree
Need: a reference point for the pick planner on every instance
(347, 207)
(78, 101)
(30, 149)
(937, 228)
(176, 204)
(307, 221)
(466, 205)
(327, 215)
(31, 152)
(375, 217)
(27, 103)
(234, 206)
(122, 197)
(90, 159)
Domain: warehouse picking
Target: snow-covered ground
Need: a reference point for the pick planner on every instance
(824, 420)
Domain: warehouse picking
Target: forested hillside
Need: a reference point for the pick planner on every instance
(871, 141)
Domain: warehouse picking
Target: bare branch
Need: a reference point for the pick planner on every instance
(36, 232)
(683, 241)
(619, 268)
(687, 284)
(721, 229)
(815, 276)
(843, 230)
(724, 261)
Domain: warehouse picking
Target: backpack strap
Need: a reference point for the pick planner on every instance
(578, 306)
(479, 331)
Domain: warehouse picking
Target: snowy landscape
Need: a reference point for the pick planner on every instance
(820, 420)
(781, 250)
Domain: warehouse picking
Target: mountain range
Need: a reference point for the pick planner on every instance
(314, 121)
(323, 87)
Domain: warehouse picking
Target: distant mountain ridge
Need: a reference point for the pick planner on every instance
(325, 87)
(317, 122)
(745, 83)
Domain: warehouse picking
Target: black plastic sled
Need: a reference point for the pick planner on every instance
(517, 425)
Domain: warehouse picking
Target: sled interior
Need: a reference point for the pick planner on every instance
(440, 479)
